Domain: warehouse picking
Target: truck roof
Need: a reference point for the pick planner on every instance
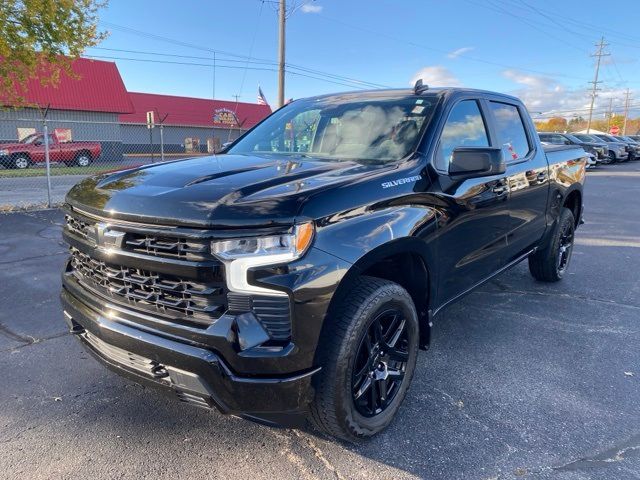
(438, 91)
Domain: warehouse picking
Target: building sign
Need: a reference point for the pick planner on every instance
(225, 116)
(62, 135)
(24, 132)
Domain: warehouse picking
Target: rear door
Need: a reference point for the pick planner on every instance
(527, 175)
(474, 220)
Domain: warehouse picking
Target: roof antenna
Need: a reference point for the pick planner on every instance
(419, 88)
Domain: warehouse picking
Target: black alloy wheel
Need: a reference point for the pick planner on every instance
(565, 247)
(380, 363)
(550, 262)
(368, 352)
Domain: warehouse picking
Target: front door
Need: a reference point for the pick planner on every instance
(474, 213)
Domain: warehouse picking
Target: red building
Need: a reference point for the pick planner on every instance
(94, 104)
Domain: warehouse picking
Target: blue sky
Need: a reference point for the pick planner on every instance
(537, 49)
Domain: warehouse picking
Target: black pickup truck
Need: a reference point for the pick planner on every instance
(295, 276)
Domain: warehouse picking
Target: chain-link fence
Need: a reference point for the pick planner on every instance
(41, 159)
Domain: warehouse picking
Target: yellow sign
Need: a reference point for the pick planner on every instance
(24, 132)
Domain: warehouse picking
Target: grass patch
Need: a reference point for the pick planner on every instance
(62, 170)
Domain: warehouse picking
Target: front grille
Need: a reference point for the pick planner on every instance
(156, 245)
(193, 301)
(78, 227)
(171, 247)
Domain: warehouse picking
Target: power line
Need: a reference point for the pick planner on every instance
(181, 43)
(218, 65)
(499, 8)
(438, 50)
(254, 62)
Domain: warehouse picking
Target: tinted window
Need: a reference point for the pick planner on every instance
(551, 138)
(512, 136)
(464, 128)
(343, 128)
(572, 138)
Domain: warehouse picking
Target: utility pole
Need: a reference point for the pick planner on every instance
(626, 112)
(282, 14)
(609, 113)
(599, 54)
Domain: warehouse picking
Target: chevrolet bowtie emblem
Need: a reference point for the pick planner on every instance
(105, 237)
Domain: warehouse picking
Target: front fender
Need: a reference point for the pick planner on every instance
(355, 237)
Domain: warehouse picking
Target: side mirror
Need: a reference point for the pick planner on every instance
(472, 162)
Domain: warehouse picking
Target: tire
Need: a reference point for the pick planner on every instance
(550, 263)
(612, 157)
(20, 161)
(83, 159)
(351, 355)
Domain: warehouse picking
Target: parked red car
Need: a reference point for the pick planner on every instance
(30, 150)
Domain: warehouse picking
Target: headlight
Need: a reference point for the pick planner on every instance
(241, 254)
(4, 153)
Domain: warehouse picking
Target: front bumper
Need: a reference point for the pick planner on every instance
(193, 374)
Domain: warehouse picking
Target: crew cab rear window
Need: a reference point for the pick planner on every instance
(512, 136)
(464, 128)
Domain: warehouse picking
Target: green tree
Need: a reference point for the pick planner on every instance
(40, 38)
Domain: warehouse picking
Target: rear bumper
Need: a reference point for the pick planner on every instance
(194, 375)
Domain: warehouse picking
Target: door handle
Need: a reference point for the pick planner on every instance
(541, 177)
(500, 189)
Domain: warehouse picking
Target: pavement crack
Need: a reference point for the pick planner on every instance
(319, 455)
(505, 290)
(7, 332)
(27, 341)
(63, 252)
(615, 454)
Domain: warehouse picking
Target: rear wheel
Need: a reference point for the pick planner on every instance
(551, 262)
(83, 159)
(612, 157)
(368, 360)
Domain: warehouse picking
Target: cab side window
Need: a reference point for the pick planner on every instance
(465, 127)
(512, 136)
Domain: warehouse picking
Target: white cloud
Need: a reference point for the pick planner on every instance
(459, 51)
(544, 94)
(437, 76)
(308, 8)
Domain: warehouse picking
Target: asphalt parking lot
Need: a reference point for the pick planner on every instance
(523, 379)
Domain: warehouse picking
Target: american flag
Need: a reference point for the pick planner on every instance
(261, 98)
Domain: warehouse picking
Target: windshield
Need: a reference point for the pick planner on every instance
(573, 138)
(30, 138)
(343, 127)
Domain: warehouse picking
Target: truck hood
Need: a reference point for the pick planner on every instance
(223, 191)
(12, 147)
